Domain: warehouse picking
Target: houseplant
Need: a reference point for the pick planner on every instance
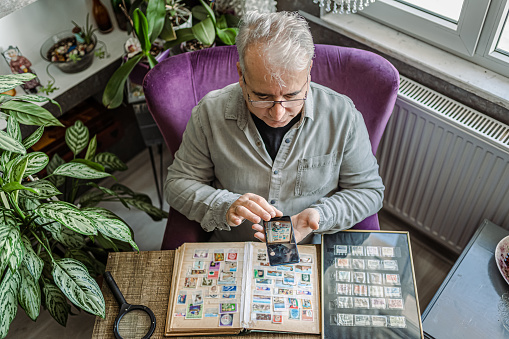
(51, 249)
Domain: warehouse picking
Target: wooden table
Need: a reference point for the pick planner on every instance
(144, 278)
(466, 305)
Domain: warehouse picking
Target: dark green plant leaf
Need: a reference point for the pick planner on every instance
(91, 198)
(228, 35)
(122, 189)
(68, 215)
(30, 114)
(85, 259)
(15, 186)
(90, 163)
(56, 161)
(33, 263)
(76, 137)
(92, 147)
(113, 228)
(73, 279)
(9, 288)
(17, 171)
(106, 242)
(140, 24)
(114, 91)
(110, 161)
(155, 213)
(221, 22)
(10, 144)
(10, 81)
(205, 32)
(44, 187)
(55, 302)
(183, 35)
(79, 171)
(33, 138)
(156, 12)
(29, 296)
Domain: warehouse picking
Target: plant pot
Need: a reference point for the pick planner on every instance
(81, 62)
(141, 69)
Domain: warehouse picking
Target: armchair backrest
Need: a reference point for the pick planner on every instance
(177, 84)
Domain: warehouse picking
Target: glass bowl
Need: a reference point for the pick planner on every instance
(71, 66)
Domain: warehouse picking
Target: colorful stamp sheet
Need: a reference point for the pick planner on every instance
(228, 308)
(307, 315)
(226, 319)
(201, 254)
(194, 311)
(218, 255)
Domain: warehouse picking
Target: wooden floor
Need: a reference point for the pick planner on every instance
(431, 266)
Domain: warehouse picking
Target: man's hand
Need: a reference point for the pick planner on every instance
(251, 207)
(303, 223)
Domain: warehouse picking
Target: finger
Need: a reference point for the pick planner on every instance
(260, 236)
(257, 228)
(266, 211)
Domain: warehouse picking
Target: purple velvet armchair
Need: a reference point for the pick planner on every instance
(176, 84)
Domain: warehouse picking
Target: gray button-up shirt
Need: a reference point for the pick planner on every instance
(324, 162)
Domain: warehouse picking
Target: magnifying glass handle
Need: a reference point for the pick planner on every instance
(114, 288)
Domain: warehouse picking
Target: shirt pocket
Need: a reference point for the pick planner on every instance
(317, 174)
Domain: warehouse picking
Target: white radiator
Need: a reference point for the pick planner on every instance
(445, 166)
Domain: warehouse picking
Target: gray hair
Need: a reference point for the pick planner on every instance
(287, 44)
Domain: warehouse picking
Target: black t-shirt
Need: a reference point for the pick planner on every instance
(273, 136)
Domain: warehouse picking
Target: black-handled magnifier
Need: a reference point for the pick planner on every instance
(133, 321)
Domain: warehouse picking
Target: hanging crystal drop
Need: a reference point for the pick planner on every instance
(361, 5)
(366, 3)
(321, 3)
(335, 8)
(348, 7)
(341, 7)
(354, 6)
(328, 9)
(316, 1)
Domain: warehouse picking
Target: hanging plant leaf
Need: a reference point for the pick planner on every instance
(68, 215)
(79, 171)
(73, 279)
(33, 138)
(45, 189)
(33, 263)
(76, 137)
(112, 228)
(92, 147)
(55, 302)
(10, 81)
(10, 144)
(12, 248)
(122, 189)
(9, 288)
(110, 161)
(30, 114)
(29, 296)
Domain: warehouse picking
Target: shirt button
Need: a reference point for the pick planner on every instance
(258, 143)
(273, 202)
(287, 141)
(276, 172)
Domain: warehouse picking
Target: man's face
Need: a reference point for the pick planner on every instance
(257, 85)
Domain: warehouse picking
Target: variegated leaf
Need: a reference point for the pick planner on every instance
(29, 296)
(85, 259)
(154, 212)
(32, 97)
(73, 279)
(122, 189)
(79, 171)
(10, 81)
(106, 213)
(9, 288)
(33, 263)
(18, 170)
(112, 227)
(55, 161)
(106, 242)
(67, 215)
(33, 138)
(65, 236)
(45, 189)
(110, 161)
(13, 128)
(76, 137)
(36, 162)
(55, 302)
(31, 114)
(91, 198)
(92, 147)
(10, 144)
(90, 164)
(14, 186)
(12, 249)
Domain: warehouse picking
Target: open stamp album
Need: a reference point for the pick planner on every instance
(229, 288)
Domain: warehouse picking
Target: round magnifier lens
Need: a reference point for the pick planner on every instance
(135, 324)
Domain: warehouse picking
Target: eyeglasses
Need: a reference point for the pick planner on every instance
(285, 103)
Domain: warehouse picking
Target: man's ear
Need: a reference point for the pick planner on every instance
(239, 71)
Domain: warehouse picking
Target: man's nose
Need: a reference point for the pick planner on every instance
(277, 111)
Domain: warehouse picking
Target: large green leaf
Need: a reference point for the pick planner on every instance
(110, 161)
(92, 147)
(79, 171)
(156, 12)
(112, 227)
(13, 128)
(73, 279)
(56, 161)
(10, 81)
(183, 35)
(205, 31)
(33, 263)
(155, 213)
(140, 24)
(227, 35)
(29, 296)
(67, 215)
(36, 98)
(9, 288)
(33, 138)
(93, 266)
(65, 236)
(114, 91)
(55, 302)
(10, 144)
(36, 161)
(12, 249)
(76, 137)
(16, 186)
(30, 114)
(44, 188)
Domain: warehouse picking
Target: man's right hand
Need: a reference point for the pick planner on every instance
(251, 207)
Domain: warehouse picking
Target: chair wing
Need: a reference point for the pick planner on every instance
(176, 84)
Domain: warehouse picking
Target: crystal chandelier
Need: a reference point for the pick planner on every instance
(343, 6)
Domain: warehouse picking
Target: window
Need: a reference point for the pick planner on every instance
(477, 30)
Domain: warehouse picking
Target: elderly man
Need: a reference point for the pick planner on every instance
(275, 143)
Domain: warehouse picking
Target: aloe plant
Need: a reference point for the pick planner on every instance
(51, 249)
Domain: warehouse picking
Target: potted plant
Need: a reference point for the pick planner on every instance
(51, 247)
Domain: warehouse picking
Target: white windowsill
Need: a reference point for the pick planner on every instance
(439, 63)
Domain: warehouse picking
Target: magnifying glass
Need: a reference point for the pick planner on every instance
(133, 321)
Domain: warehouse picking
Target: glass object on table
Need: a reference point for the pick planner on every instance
(101, 16)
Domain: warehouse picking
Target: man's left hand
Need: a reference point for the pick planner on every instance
(303, 223)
